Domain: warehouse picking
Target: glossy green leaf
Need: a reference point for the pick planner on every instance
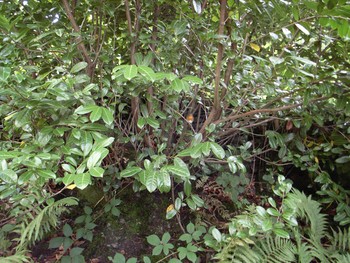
(96, 114)
(141, 122)
(96, 157)
(130, 72)
(149, 179)
(218, 151)
(8, 155)
(102, 143)
(193, 79)
(216, 234)
(47, 174)
(179, 85)
(85, 109)
(152, 122)
(107, 116)
(147, 72)
(281, 233)
(96, 171)
(68, 179)
(8, 176)
(69, 168)
(82, 180)
(78, 67)
(86, 142)
(130, 171)
(5, 73)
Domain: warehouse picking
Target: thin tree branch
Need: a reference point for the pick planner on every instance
(216, 112)
(252, 112)
(79, 39)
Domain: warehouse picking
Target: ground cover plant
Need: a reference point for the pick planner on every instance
(233, 115)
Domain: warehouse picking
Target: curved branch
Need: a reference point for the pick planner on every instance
(79, 39)
(252, 112)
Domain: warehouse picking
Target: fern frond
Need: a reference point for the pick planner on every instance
(17, 258)
(276, 250)
(340, 241)
(341, 258)
(311, 211)
(302, 250)
(237, 251)
(45, 219)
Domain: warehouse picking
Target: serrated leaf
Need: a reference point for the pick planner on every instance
(130, 171)
(130, 72)
(218, 151)
(79, 66)
(82, 180)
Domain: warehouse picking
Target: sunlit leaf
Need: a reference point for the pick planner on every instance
(302, 29)
(71, 186)
(255, 47)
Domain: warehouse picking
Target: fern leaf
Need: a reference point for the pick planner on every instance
(311, 211)
(47, 218)
(341, 240)
(276, 250)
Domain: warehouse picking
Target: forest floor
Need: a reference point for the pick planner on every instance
(142, 214)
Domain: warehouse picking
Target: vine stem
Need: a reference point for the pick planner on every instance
(178, 217)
